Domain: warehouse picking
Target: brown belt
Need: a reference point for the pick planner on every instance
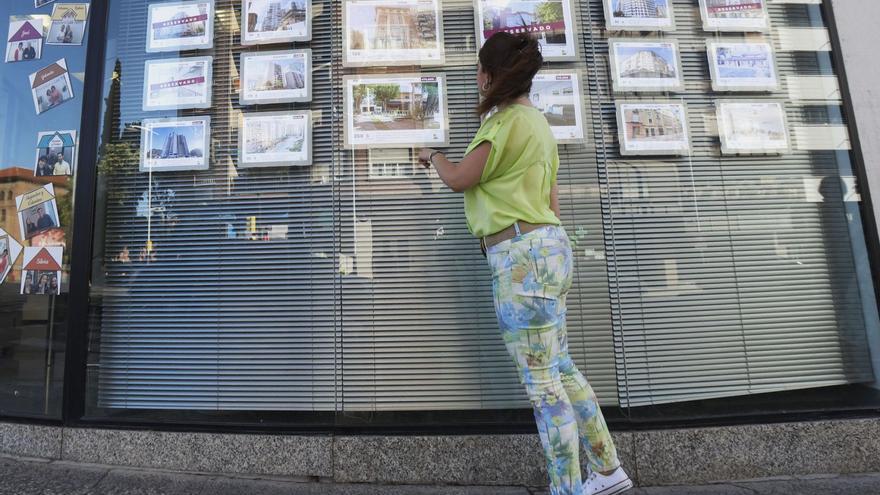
(509, 233)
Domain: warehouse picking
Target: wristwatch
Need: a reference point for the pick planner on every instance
(431, 157)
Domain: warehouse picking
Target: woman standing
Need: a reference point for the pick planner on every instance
(508, 177)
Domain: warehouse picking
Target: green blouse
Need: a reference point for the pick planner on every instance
(520, 171)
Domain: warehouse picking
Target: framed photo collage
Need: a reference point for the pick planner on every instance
(409, 108)
(647, 64)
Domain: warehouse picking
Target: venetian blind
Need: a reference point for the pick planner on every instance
(732, 275)
(361, 290)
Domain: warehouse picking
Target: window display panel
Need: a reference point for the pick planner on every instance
(392, 32)
(551, 21)
(41, 92)
(174, 26)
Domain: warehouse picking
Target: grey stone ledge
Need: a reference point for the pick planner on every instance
(30, 440)
(281, 455)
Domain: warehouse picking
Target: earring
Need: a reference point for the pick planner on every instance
(485, 87)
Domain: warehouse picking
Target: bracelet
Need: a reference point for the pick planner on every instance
(431, 157)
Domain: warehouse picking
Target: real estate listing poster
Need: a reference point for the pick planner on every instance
(639, 15)
(56, 153)
(652, 128)
(68, 24)
(757, 127)
(173, 84)
(276, 77)
(273, 139)
(275, 21)
(37, 211)
(173, 26)
(735, 15)
(558, 95)
(550, 21)
(25, 39)
(737, 66)
(41, 270)
(392, 32)
(171, 144)
(390, 111)
(10, 250)
(645, 66)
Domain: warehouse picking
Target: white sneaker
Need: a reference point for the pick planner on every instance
(616, 482)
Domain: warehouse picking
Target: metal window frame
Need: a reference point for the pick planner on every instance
(421, 422)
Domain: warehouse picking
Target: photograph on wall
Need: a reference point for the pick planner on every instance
(50, 86)
(25, 40)
(392, 32)
(37, 211)
(646, 128)
(548, 20)
(56, 153)
(179, 143)
(734, 15)
(172, 84)
(275, 139)
(742, 66)
(390, 111)
(41, 270)
(10, 250)
(752, 127)
(639, 15)
(68, 24)
(645, 66)
(275, 21)
(558, 95)
(40, 3)
(173, 26)
(275, 77)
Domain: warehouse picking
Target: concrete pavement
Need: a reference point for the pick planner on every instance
(26, 476)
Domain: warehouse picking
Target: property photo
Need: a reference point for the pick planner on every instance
(180, 25)
(395, 109)
(742, 66)
(558, 96)
(548, 20)
(734, 15)
(652, 128)
(752, 127)
(177, 83)
(275, 77)
(174, 144)
(645, 66)
(275, 138)
(272, 21)
(638, 14)
(396, 32)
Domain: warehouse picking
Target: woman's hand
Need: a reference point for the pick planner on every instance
(425, 156)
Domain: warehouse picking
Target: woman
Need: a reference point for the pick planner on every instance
(508, 177)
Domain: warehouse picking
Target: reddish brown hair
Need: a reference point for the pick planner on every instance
(511, 61)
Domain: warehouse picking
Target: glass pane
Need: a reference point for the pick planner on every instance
(40, 111)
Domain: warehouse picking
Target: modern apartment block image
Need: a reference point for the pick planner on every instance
(653, 124)
(640, 8)
(275, 135)
(646, 63)
(175, 146)
(277, 16)
(282, 76)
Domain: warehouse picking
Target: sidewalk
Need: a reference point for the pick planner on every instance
(21, 476)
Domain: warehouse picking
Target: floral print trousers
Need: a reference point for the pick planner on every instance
(531, 275)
